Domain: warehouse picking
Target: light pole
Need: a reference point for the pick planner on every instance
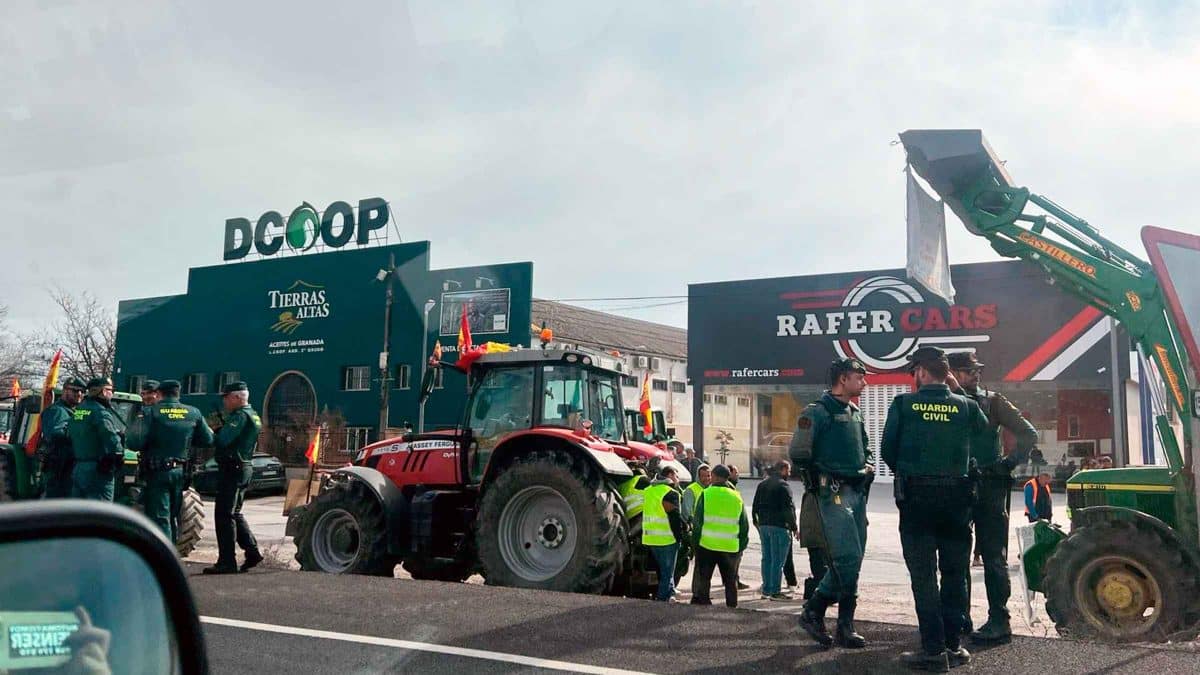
(385, 275)
(429, 304)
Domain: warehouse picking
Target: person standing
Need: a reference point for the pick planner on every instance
(927, 443)
(136, 435)
(690, 461)
(734, 475)
(662, 529)
(234, 442)
(720, 533)
(774, 514)
(990, 513)
(172, 429)
(830, 444)
(97, 441)
(58, 460)
(700, 480)
(1038, 503)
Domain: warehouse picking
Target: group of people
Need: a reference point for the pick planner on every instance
(83, 445)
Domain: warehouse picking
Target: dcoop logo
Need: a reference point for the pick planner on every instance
(304, 228)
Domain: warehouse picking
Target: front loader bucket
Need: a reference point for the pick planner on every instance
(953, 160)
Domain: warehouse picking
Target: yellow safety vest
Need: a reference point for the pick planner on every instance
(633, 497)
(656, 528)
(691, 497)
(722, 519)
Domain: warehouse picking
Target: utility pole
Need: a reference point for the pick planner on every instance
(429, 304)
(384, 380)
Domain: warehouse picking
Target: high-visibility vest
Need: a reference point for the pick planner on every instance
(690, 496)
(633, 497)
(722, 519)
(656, 528)
(1036, 495)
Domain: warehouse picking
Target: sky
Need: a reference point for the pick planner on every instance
(627, 149)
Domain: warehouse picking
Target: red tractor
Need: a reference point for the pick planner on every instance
(526, 491)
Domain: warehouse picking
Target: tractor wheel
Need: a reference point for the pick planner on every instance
(191, 523)
(345, 532)
(427, 570)
(8, 477)
(551, 521)
(1118, 582)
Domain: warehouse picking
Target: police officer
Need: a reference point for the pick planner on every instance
(990, 514)
(55, 448)
(235, 442)
(830, 446)
(135, 437)
(172, 429)
(97, 441)
(927, 443)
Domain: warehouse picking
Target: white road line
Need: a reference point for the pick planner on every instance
(419, 646)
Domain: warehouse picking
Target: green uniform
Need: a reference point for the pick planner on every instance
(926, 441)
(57, 458)
(97, 442)
(170, 430)
(831, 447)
(235, 443)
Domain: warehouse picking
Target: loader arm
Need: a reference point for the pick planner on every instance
(972, 181)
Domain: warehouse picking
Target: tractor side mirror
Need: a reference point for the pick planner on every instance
(427, 382)
(119, 601)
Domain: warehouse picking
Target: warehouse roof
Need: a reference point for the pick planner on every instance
(587, 327)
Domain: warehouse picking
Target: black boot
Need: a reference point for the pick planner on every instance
(221, 568)
(812, 619)
(253, 558)
(934, 663)
(846, 636)
(957, 657)
(995, 632)
(810, 587)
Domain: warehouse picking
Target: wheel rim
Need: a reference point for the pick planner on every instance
(1119, 596)
(335, 540)
(537, 533)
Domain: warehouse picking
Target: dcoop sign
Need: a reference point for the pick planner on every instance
(304, 228)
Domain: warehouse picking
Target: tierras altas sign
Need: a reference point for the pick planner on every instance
(304, 228)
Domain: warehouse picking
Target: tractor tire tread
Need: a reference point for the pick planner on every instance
(353, 497)
(191, 523)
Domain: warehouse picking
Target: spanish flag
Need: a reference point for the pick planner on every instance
(15, 391)
(48, 386)
(644, 407)
(314, 448)
(464, 331)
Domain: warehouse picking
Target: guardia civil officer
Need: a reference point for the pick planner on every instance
(234, 442)
(830, 449)
(97, 442)
(135, 437)
(172, 429)
(990, 514)
(927, 443)
(54, 450)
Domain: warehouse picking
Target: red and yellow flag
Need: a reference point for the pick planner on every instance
(644, 406)
(48, 386)
(314, 448)
(15, 390)
(464, 331)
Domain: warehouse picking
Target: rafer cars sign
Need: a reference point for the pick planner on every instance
(304, 228)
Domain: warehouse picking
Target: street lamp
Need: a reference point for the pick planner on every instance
(429, 304)
(388, 275)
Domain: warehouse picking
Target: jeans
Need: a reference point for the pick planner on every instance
(775, 547)
(664, 556)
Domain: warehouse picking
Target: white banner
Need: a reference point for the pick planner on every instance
(928, 257)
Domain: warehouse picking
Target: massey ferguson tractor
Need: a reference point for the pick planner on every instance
(527, 491)
(1129, 570)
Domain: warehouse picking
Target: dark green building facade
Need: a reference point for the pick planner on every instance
(305, 333)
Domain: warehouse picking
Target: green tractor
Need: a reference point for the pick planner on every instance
(20, 474)
(1129, 569)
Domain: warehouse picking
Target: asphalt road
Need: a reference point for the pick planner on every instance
(314, 623)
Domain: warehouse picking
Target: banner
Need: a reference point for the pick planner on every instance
(928, 256)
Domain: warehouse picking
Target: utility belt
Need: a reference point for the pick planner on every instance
(906, 487)
(163, 463)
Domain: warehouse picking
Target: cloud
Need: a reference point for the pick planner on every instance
(626, 149)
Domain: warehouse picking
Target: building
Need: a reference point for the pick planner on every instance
(767, 344)
(306, 333)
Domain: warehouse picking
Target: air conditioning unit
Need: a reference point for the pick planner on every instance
(641, 362)
(656, 364)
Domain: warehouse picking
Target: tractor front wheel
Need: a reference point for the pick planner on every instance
(1118, 581)
(345, 532)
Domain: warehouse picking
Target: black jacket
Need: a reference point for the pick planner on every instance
(773, 504)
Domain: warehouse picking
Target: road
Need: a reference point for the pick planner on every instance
(885, 592)
(282, 621)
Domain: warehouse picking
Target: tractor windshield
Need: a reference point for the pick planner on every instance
(573, 392)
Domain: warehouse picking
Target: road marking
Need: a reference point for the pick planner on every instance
(419, 646)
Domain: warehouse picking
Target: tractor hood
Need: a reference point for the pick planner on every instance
(634, 451)
(1154, 478)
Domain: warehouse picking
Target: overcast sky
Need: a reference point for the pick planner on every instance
(627, 149)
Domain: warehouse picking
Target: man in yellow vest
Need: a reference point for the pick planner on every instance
(662, 529)
(632, 492)
(720, 531)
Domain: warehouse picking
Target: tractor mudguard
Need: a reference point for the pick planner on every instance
(1098, 514)
(395, 504)
(606, 462)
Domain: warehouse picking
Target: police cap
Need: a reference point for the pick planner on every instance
(168, 387)
(925, 355)
(75, 383)
(149, 385)
(99, 382)
(234, 386)
(964, 361)
(840, 366)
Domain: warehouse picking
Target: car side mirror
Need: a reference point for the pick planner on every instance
(90, 587)
(427, 382)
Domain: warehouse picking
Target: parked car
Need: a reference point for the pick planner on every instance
(773, 448)
(269, 476)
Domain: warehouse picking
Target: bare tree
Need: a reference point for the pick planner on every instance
(16, 355)
(86, 332)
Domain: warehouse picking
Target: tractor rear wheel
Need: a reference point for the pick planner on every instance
(191, 522)
(551, 521)
(1118, 581)
(345, 532)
